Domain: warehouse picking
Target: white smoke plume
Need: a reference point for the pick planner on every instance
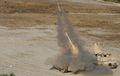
(83, 60)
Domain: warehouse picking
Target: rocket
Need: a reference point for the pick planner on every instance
(74, 49)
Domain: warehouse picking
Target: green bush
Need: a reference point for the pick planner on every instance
(4, 75)
(11, 74)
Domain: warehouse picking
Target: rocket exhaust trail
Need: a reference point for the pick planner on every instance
(73, 56)
(59, 8)
(74, 50)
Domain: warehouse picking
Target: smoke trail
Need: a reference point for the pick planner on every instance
(83, 60)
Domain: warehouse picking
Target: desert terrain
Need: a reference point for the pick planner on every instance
(28, 33)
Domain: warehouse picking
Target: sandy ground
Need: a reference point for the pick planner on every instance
(24, 50)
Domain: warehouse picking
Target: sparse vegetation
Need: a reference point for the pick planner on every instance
(11, 74)
(26, 14)
(113, 0)
(51, 7)
(27, 7)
